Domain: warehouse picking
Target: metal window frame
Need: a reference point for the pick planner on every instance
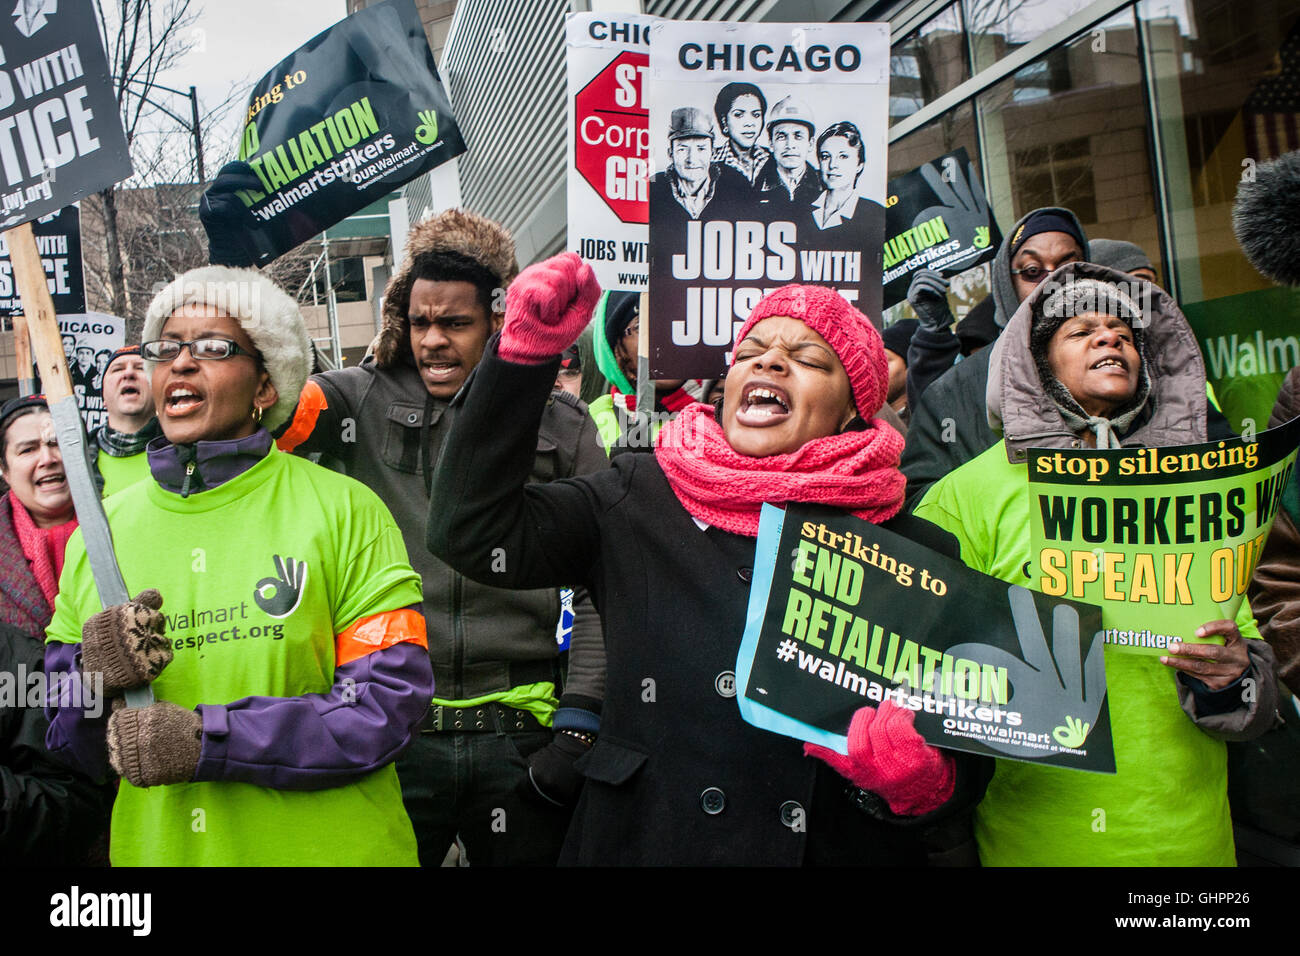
(1061, 33)
(1159, 180)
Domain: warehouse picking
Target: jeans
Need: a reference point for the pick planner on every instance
(469, 784)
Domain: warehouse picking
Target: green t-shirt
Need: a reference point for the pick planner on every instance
(602, 413)
(213, 558)
(120, 473)
(1167, 805)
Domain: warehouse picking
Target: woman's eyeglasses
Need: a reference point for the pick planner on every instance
(164, 350)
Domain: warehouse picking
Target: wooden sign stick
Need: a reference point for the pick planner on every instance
(23, 357)
(43, 327)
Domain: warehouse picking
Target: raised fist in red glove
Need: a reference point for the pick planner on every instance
(888, 757)
(547, 307)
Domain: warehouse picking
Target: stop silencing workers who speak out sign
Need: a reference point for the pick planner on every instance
(60, 137)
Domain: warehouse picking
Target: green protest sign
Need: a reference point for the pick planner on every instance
(845, 614)
(1163, 539)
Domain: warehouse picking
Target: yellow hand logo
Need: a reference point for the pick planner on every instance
(427, 131)
(1073, 734)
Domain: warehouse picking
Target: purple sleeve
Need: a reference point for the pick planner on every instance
(325, 740)
(78, 719)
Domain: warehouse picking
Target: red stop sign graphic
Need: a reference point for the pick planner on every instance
(612, 136)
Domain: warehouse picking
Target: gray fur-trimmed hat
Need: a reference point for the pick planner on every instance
(271, 318)
(1078, 296)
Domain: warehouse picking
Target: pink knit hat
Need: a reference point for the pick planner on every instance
(849, 332)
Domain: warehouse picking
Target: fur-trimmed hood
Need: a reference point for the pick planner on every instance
(1020, 407)
(455, 230)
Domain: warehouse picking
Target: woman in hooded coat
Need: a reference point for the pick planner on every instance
(1082, 364)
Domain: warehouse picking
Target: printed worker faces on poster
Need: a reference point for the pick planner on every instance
(770, 150)
(1162, 539)
(607, 58)
(89, 340)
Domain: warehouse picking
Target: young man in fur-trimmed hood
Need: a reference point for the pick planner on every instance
(497, 681)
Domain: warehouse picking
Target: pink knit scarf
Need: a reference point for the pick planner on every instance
(856, 471)
(42, 547)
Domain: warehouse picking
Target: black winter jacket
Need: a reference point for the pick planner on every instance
(676, 776)
(383, 428)
(49, 815)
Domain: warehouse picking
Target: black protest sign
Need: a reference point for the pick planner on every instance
(347, 118)
(58, 240)
(845, 614)
(936, 217)
(769, 139)
(60, 135)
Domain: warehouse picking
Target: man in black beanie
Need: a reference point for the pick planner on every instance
(949, 424)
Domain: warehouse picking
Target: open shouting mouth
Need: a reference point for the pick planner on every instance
(763, 404)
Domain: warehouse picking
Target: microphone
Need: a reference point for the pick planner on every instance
(1266, 219)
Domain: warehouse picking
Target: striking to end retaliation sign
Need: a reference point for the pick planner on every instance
(60, 137)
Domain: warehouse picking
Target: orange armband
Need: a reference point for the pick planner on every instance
(377, 632)
(311, 402)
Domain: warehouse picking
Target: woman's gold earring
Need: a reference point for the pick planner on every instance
(257, 414)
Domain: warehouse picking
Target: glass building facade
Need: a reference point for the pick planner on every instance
(1141, 117)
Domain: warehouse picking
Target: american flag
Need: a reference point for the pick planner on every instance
(1270, 112)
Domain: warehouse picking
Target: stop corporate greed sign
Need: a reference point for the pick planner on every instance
(771, 142)
(351, 115)
(609, 145)
(845, 614)
(60, 136)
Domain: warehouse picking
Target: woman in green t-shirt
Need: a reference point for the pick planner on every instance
(289, 659)
(1094, 359)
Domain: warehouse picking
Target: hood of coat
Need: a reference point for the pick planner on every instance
(455, 230)
(1020, 407)
(1004, 289)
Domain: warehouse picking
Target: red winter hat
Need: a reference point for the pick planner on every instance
(847, 331)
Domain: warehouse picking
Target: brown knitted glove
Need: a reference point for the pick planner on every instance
(155, 745)
(125, 643)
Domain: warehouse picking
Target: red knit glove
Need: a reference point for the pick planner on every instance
(547, 307)
(888, 757)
